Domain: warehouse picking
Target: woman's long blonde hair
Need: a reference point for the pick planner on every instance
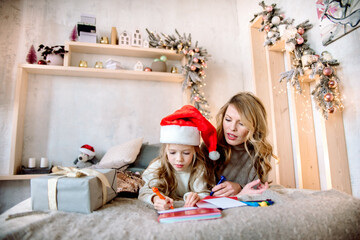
(165, 179)
(253, 116)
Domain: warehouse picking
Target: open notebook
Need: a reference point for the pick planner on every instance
(186, 214)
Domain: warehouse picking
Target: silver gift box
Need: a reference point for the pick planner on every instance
(82, 194)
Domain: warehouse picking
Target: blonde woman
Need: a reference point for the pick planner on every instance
(179, 172)
(244, 151)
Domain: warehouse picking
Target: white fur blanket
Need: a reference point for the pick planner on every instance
(296, 214)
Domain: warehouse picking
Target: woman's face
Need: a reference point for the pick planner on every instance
(235, 132)
(180, 156)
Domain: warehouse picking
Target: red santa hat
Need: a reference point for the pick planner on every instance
(87, 149)
(185, 125)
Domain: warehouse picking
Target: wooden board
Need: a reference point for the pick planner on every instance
(280, 118)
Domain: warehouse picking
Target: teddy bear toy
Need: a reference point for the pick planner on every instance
(86, 157)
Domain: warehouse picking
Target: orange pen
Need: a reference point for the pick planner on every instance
(156, 190)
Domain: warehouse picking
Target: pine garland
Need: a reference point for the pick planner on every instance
(194, 69)
(326, 93)
(271, 20)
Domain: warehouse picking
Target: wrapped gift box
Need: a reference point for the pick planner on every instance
(74, 194)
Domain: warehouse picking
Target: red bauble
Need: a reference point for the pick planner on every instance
(300, 41)
(327, 71)
(42, 62)
(301, 31)
(196, 98)
(197, 49)
(332, 84)
(147, 69)
(328, 97)
(193, 68)
(195, 60)
(185, 52)
(267, 28)
(331, 110)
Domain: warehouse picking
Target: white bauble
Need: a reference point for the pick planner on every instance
(290, 46)
(270, 34)
(275, 20)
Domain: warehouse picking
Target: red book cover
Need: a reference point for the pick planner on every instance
(187, 215)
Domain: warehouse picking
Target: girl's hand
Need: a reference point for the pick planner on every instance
(226, 189)
(191, 199)
(249, 188)
(162, 204)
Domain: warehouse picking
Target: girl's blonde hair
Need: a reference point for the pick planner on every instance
(165, 179)
(253, 116)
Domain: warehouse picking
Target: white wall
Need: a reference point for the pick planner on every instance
(64, 113)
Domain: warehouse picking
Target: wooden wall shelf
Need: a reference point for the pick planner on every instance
(20, 177)
(67, 70)
(102, 73)
(128, 51)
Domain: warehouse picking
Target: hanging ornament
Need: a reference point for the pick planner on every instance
(195, 60)
(269, 8)
(196, 98)
(202, 72)
(300, 40)
(290, 46)
(267, 28)
(204, 64)
(270, 34)
(328, 97)
(191, 52)
(193, 68)
(332, 84)
(331, 110)
(327, 71)
(326, 56)
(301, 31)
(185, 52)
(197, 50)
(275, 20)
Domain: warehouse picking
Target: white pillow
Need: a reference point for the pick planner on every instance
(121, 155)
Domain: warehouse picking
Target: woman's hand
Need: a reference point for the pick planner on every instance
(191, 199)
(162, 204)
(249, 188)
(226, 189)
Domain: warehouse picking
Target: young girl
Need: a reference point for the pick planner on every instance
(244, 150)
(179, 171)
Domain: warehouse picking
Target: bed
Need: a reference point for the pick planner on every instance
(295, 214)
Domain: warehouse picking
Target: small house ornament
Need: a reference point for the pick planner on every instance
(146, 44)
(124, 39)
(138, 66)
(136, 39)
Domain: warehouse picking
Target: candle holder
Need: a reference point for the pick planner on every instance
(104, 40)
(83, 63)
(98, 65)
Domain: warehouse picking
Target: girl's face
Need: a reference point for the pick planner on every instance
(180, 156)
(234, 130)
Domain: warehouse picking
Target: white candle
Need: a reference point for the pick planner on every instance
(32, 163)
(44, 163)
